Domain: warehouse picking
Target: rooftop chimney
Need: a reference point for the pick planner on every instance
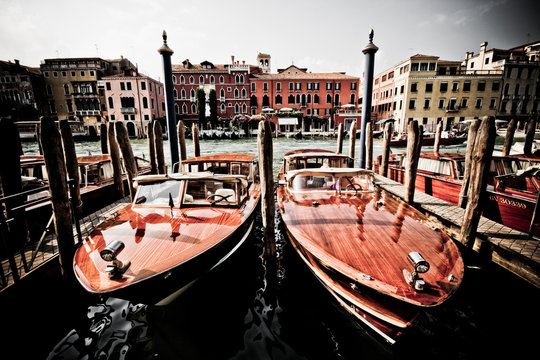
(483, 46)
(232, 59)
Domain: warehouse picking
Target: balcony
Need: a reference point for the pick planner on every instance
(128, 110)
(87, 112)
(450, 109)
(84, 95)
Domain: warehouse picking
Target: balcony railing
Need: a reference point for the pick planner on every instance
(128, 110)
(87, 112)
(84, 95)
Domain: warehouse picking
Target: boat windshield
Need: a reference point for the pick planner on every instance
(312, 162)
(158, 194)
(332, 183)
(211, 192)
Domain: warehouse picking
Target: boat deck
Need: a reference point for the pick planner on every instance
(49, 249)
(511, 249)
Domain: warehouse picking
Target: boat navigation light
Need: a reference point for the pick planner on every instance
(117, 268)
(420, 266)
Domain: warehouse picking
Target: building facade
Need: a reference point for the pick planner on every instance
(134, 99)
(75, 90)
(430, 90)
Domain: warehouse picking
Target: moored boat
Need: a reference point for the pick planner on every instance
(373, 252)
(179, 227)
(447, 138)
(511, 191)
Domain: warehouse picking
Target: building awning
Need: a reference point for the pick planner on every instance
(288, 121)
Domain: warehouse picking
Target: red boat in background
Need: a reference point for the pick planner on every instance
(512, 191)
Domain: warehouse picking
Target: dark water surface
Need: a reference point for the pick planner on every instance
(252, 308)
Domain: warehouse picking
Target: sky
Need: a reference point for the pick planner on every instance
(321, 35)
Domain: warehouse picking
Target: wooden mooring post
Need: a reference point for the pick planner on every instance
(151, 148)
(103, 136)
(158, 147)
(471, 137)
(529, 136)
(437, 143)
(182, 141)
(481, 160)
(268, 207)
(115, 159)
(414, 145)
(56, 170)
(369, 145)
(386, 149)
(127, 155)
(509, 138)
(352, 139)
(196, 146)
(72, 165)
(339, 148)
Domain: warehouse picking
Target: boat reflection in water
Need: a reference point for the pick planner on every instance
(372, 251)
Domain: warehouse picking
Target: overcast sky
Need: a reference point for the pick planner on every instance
(322, 35)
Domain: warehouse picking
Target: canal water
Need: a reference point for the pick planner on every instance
(252, 308)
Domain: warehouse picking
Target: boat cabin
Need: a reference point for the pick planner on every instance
(315, 159)
(225, 164)
(191, 190)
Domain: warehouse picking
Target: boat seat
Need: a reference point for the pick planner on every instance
(188, 198)
(227, 192)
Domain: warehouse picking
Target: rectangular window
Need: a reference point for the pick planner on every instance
(467, 86)
(412, 104)
(298, 86)
(278, 86)
(146, 117)
(143, 85)
(402, 89)
(353, 86)
(128, 85)
(265, 87)
(108, 85)
(478, 103)
(64, 73)
(455, 86)
(487, 61)
(82, 73)
(429, 87)
(122, 85)
(316, 86)
(309, 85)
(493, 103)
(441, 103)
(328, 86)
(464, 103)
(414, 87)
(427, 103)
(481, 85)
(444, 86)
(431, 66)
(252, 87)
(113, 117)
(291, 86)
(338, 86)
(414, 67)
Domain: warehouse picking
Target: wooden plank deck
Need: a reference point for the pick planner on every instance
(49, 249)
(511, 249)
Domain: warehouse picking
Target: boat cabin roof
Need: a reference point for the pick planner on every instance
(335, 172)
(229, 157)
(157, 178)
(92, 159)
(315, 153)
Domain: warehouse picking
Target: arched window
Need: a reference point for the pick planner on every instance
(236, 109)
(236, 93)
(183, 94)
(145, 102)
(175, 94)
(303, 100)
(278, 99)
(290, 100)
(66, 89)
(176, 109)
(265, 101)
(182, 80)
(309, 98)
(243, 93)
(336, 100)
(222, 107)
(212, 79)
(240, 79)
(184, 109)
(315, 99)
(111, 103)
(253, 101)
(353, 99)
(192, 93)
(244, 108)
(174, 79)
(221, 79)
(328, 98)
(193, 109)
(298, 98)
(516, 90)
(506, 89)
(222, 94)
(201, 79)
(191, 80)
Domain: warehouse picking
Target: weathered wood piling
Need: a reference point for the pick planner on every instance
(196, 146)
(481, 160)
(103, 136)
(471, 137)
(352, 139)
(509, 138)
(268, 207)
(529, 136)
(386, 149)
(339, 148)
(72, 165)
(414, 143)
(116, 161)
(56, 169)
(151, 148)
(158, 147)
(182, 140)
(369, 145)
(437, 143)
(127, 155)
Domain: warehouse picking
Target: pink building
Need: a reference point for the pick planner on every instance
(135, 99)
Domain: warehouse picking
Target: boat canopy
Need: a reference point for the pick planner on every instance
(336, 172)
(189, 176)
(315, 154)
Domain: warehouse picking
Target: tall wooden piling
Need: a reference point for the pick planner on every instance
(471, 137)
(182, 140)
(196, 146)
(151, 148)
(339, 148)
(437, 137)
(413, 153)
(386, 149)
(352, 139)
(127, 155)
(103, 136)
(116, 161)
(369, 145)
(509, 139)
(56, 171)
(158, 141)
(481, 160)
(268, 207)
(72, 165)
(529, 136)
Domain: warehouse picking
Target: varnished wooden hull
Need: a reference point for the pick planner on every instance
(357, 246)
(166, 253)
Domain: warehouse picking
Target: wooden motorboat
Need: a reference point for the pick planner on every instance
(447, 139)
(178, 227)
(372, 251)
(511, 192)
